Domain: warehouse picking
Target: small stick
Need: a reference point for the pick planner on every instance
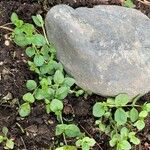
(6, 28)
(145, 2)
(23, 143)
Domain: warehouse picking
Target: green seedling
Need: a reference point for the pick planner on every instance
(129, 3)
(53, 85)
(9, 143)
(70, 130)
(85, 143)
(120, 119)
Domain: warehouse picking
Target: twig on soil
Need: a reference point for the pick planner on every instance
(23, 143)
(90, 136)
(145, 2)
(6, 28)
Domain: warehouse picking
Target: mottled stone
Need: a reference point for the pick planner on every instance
(105, 48)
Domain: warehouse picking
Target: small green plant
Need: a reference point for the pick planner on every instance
(70, 130)
(9, 143)
(129, 3)
(121, 119)
(85, 143)
(53, 85)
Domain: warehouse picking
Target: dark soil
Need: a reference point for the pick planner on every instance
(36, 132)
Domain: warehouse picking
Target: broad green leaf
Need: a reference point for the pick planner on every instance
(31, 85)
(58, 77)
(68, 81)
(146, 107)
(38, 60)
(61, 93)
(111, 102)
(85, 146)
(24, 110)
(1, 138)
(44, 83)
(56, 105)
(39, 94)
(30, 51)
(139, 124)
(133, 114)
(49, 93)
(102, 127)
(5, 130)
(21, 40)
(28, 29)
(10, 144)
(135, 140)
(28, 97)
(121, 100)
(120, 116)
(38, 40)
(124, 132)
(45, 52)
(60, 128)
(98, 109)
(143, 114)
(14, 18)
(89, 141)
(72, 130)
(38, 20)
(129, 3)
(125, 145)
(113, 141)
(44, 69)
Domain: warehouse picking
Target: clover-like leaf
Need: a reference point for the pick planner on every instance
(58, 77)
(120, 116)
(10, 144)
(68, 81)
(30, 51)
(60, 128)
(98, 109)
(24, 110)
(28, 97)
(61, 93)
(72, 130)
(133, 114)
(1, 138)
(143, 114)
(56, 105)
(31, 85)
(121, 100)
(38, 60)
(125, 145)
(140, 124)
(38, 20)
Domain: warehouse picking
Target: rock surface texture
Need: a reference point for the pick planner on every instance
(105, 48)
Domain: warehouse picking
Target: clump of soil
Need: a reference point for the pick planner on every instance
(37, 131)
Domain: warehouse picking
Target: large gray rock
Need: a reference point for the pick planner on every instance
(105, 48)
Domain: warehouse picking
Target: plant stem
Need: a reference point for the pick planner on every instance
(64, 137)
(44, 32)
(6, 28)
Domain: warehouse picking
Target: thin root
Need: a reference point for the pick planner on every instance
(6, 28)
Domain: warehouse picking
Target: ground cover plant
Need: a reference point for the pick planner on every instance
(70, 122)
